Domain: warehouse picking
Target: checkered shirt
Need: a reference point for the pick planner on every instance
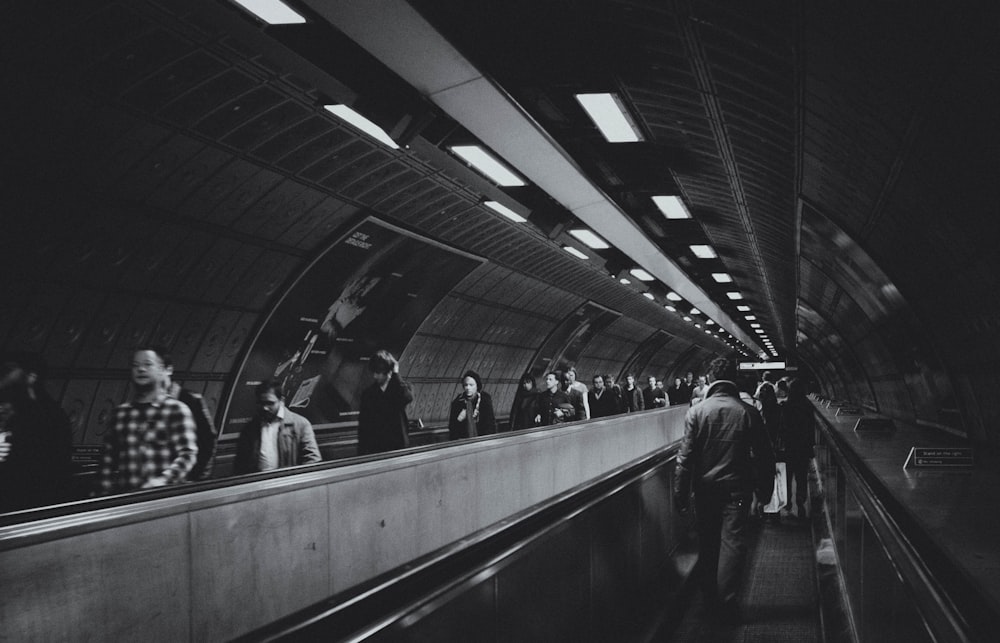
(148, 440)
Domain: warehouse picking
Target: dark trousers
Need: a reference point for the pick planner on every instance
(722, 542)
(797, 468)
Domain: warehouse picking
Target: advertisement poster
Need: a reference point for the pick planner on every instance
(370, 291)
(567, 342)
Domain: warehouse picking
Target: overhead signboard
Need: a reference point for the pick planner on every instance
(762, 366)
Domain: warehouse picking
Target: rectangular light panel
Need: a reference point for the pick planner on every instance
(703, 252)
(573, 251)
(504, 210)
(610, 116)
(488, 165)
(348, 115)
(641, 274)
(272, 12)
(671, 207)
(591, 239)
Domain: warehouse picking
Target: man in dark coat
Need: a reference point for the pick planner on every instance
(382, 422)
(553, 405)
(725, 447)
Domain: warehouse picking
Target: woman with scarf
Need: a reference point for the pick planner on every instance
(471, 412)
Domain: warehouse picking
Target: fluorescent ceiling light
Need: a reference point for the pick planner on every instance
(697, 325)
(670, 308)
(722, 277)
(648, 295)
(589, 238)
(610, 116)
(695, 311)
(273, 12)
(743, 309)
(686, 318)
(488, 165)
(759, 331)
(750, 317)
(754, 325)
(703, 252)
(671, 207)
(504, 210)
(573, 251)
(624, 281)
(708, 331)
(345, 113)
(709, 322)
(734, 295)
(641, 274)
(672, 296)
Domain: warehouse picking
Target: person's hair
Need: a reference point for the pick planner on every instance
(767, 395)
(382, 361)
(783, 383)
(270, 386)
(571, 369)
(28, 361)
(161, 353)
(557, 374)
(767, 376)
(528, 377)
(796, 389)
(722, 368)
(475, 376)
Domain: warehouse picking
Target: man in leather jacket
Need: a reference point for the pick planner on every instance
(725, 445)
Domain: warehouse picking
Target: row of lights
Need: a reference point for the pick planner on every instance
(609, 115)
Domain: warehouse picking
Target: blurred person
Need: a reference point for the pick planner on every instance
(653, 396)
(766, 380)
(781, 390)
(675, 392)
(36, 438)
(382, 422)
(577, 392)
(524, 408)
(798, 439)
(277, 437)
(204, 424)
(153, 439)
(616, 391)
(698, 392)
(632, 395)
(471, 413)
(724, 457)
(553, 403)
(601, 399)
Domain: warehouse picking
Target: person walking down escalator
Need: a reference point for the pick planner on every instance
(471, 412)
(798, 438)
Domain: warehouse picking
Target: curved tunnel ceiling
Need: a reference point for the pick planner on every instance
(170, 167)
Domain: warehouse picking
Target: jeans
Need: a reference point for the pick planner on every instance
(722, 536)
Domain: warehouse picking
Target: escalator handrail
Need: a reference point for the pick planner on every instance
(389, 597)
(952, 606)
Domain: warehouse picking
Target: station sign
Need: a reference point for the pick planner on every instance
(762, 366)
(950, 458)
